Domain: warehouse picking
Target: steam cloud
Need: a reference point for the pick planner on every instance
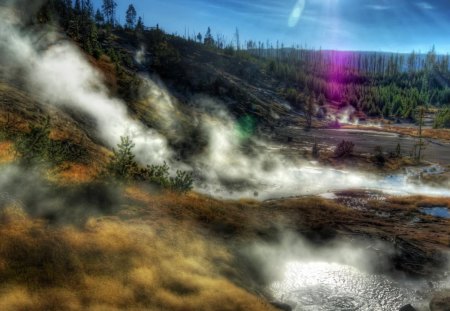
(59, 74)
(341, 275)
(227, 166)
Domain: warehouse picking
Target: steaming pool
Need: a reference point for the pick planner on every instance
(316, 180)
(324, 286)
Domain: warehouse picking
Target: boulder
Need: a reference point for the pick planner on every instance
(407, 308)
(440, 302)
(281, 306)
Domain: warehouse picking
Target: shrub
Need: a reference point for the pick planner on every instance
(122, 164)
(159, 175)
(32, 146)
(291, 95)
(165, 55)
(397, 153)
(315, 150)
(442, 119)
(229, 50)
(36, 146)
(124, 167)
(344, 149)
(379, 156)
(182, 182)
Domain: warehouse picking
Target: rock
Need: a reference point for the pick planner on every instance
(440, 302)
(407, 308)
(281, 306)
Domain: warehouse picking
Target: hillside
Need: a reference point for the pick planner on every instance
(190, 69)
(145, 171)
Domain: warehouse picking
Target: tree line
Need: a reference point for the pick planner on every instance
(388, 85)
(379, 84)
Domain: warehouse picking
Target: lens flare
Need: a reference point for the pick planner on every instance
(296, 13)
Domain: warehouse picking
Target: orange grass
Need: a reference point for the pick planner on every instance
(76, 173)
(7, 152)
(112, 265)
(410, 131)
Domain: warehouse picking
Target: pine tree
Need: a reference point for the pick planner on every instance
(99, 18)
(140, 25)
(88, 9)
(238, 41)
(77, 7)
(209, 41)
(122, 164)
(420, 145)
(130, 17)
(309, 111)
(315, 150)
(398, 151)
(74, 26)
(109, 10)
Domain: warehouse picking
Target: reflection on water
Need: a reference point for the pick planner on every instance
(441, 212)
(321, 286)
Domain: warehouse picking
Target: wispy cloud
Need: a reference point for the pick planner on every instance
(352, 24)
(425, 5)
(378, 7)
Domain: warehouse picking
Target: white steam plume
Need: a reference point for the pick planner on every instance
(341, 275)
(59, 74)
(271, 175)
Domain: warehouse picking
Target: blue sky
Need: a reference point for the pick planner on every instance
(375, 25)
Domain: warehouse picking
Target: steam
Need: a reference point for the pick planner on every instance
(29, 191)
(235, 168)
(59, 74)
(140, 56)
(340, 275)
(345, 116)
(359, 254)
(233, 163)
(157, 99)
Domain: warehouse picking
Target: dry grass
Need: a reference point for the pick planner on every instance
(244, 219)
(225, 217)
(112, 265)
(312, 213)
(430, 234)
(419, 201)
(7, 152)
(409, 131)
(19, 111)
(107, 68)
(76, 173)
(395, 164)
(169, 254)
